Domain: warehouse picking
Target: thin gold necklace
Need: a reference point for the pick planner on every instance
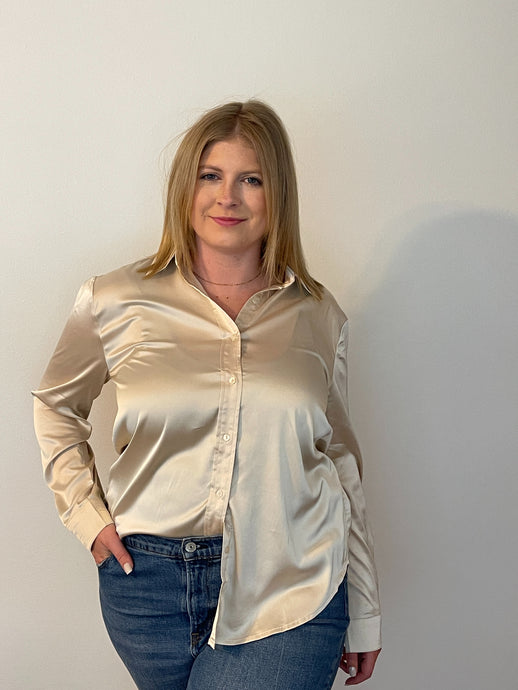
(206, 280)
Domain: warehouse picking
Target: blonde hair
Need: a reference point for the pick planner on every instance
(260, 127)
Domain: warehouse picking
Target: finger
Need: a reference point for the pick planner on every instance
(108, 542)
(100, 555)
(349, 663)
(366, 662)
(100, 551)
(354, 678)
(357, 677)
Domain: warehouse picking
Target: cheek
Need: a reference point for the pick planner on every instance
(259, 206)
(197, 207)
(263, 212)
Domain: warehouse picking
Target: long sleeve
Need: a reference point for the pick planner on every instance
(363, 634)
(73, 379)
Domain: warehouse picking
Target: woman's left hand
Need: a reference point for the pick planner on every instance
(362, 662)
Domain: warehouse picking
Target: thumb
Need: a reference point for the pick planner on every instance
(123, 557)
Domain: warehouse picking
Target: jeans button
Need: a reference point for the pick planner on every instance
(190, 547)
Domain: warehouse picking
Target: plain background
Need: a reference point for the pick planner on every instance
(404, 121)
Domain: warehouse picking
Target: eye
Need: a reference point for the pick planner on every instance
(255, 181)
(210, 177)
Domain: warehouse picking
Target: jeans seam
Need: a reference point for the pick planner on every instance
(281, 656)
(332, 674)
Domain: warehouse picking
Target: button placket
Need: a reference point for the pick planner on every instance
(228, 416)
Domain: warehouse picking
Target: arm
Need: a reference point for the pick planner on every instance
(73, 379)
(363, 634)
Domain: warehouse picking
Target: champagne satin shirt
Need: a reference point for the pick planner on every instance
(234, 428)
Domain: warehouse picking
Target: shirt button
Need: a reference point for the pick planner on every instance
(190, 547)
(232, 379)
(219, 493)
(226, 437)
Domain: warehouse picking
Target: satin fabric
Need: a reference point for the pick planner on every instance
(234, 428)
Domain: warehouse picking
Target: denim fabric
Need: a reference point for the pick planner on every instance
(160, 616)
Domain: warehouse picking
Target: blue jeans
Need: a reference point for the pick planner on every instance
(160, 616)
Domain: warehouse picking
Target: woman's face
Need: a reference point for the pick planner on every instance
(229, 207)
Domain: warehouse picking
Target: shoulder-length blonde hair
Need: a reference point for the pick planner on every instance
(260, 127)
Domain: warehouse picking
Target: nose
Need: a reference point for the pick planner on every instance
(228, 194)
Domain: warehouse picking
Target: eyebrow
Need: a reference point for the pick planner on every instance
(216, 169)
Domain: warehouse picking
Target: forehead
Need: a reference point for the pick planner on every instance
(236, 150)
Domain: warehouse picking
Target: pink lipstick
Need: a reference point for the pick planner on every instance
(227, 221)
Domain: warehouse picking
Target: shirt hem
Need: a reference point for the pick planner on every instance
(213, 642)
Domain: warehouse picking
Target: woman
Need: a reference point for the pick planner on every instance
(232, 542)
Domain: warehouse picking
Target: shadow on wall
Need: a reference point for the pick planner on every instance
(445, 314)
(435, 401)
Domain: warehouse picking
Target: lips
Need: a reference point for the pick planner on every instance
(227, 221)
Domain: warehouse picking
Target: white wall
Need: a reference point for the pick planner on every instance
(404, 120)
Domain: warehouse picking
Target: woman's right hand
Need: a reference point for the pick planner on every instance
(108, 542)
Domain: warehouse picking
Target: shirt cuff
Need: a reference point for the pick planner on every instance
(88, 519)
(364, 635)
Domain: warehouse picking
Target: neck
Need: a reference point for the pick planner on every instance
(242, 282)
(228, 271)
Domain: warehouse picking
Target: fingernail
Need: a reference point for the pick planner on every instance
(352, 671)
(127, 568)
